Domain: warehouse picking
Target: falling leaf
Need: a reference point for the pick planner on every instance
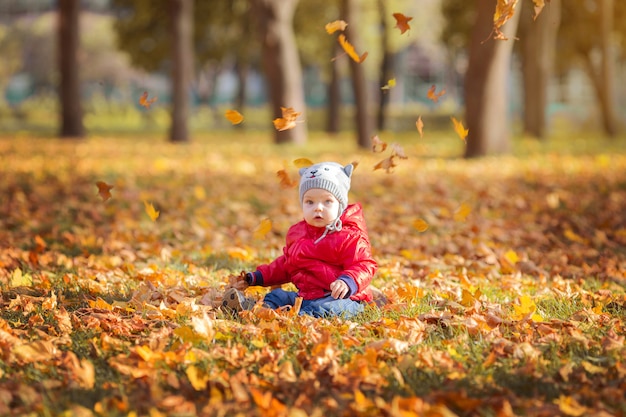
(234, 116)
(302, 163)
(104, 190)
(432, 95)
(263, 229)
(398, 151)
(402, 22)
(349, 49)
(390, 84)
(505, 9)
(332, 27)
(459, 129)
(288, 121)
(420, 225)
(145, 102)
(378, 145)
(419, 124)
(285, 179)
(539, 5)
(388, 164)
(150, 211)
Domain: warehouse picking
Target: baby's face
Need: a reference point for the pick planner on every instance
(320, 208)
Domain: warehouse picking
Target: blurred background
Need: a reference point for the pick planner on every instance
(75, 68)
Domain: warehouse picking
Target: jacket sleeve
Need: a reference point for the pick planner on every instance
(274, 273)
(357, 260)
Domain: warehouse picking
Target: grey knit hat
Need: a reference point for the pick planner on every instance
(329, 176)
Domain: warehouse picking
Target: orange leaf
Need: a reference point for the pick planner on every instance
(434, 96)
(388, 164)
(302, 162)
(234, 116)
(459, 129)
(402, 22)
(420, 225)
(420, 126)
(144, 101)
(377, 144)
(332, 27)
(349, 49)
(505, 9)
(104, 190)
(285, 179)
(150, 211)
(288, 121)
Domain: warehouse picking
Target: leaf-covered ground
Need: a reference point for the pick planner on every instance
(505, 278)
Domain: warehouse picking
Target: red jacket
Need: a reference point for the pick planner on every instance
(312, 267)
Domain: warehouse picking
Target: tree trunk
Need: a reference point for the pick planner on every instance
(281, 63)
(606, 95)
(385, 66)
(538, 43)
(182, 67)
(359, 85)
(333, 106)
(69, 40)
(486, 84)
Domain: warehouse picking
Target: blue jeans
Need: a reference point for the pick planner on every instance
(320, 307)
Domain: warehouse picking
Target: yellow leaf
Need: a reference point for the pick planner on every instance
(239, 253)
(467, 298)
(302, 163)
(150, 211)
(197, 377)
(526, 310)
(288, 121)
(19, 279)
(234, 116)
(420, 225)
(390, 84)
(349, 49)
(511, 256)
(459, 129)
(263, 229)
(570, 407)
(462, 212)
(100, 304)
(332, 27)
(420, 126)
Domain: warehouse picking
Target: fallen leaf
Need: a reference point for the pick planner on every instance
(263, 229)
(420, 225)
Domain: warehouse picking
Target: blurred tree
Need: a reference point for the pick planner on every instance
(538, 43)
(69, 88)
(486, 92)
(281, 62)
(385, 64)
(349, 13)
(181, 12)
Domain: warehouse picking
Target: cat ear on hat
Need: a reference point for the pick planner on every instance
(348, 169)
(303, 170)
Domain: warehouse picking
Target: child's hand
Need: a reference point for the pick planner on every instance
(339, 289)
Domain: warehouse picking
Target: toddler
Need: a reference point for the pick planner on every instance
(327, 255)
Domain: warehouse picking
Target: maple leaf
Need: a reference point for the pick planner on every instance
(332, 27)
(420, 126)
(349, 49)
(145, 102)
(288, 121)
(285, 179)
(233, 116)
(378, 145)
(459, 129)
(402, 22)
(150, 211)
(434, 96)
(104, 190)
